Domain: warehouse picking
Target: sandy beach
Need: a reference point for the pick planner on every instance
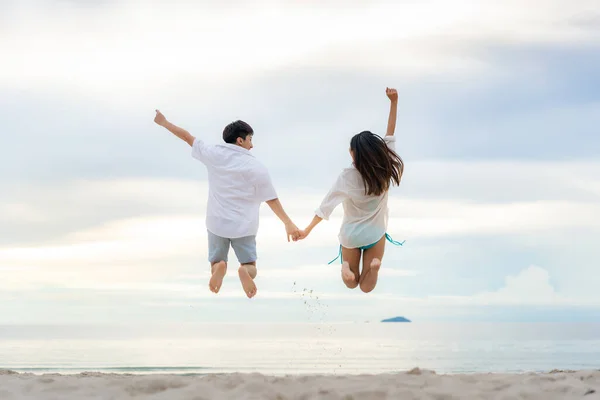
(414, 384)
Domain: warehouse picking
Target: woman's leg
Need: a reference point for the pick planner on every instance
(371, 264)
(350, 267)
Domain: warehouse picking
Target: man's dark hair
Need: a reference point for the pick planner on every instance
(236, 129)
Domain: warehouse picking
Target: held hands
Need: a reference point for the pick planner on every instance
(303, 233)
(294, 233)
(392, 94)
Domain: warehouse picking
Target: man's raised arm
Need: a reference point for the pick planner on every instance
(174, 129)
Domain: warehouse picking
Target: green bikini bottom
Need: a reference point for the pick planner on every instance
(388, 237)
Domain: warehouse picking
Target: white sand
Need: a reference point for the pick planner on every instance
(415, 384)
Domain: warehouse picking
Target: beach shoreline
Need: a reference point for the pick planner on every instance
(413, 384)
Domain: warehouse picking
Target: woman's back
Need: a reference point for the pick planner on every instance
(365, 215)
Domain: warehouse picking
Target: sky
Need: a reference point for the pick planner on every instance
(102, 211)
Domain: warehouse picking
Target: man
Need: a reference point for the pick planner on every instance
(237, 185)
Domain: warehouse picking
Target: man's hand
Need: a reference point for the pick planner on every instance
(292, 231)
(174, 129)
(290, 228)
(159, 118)
(392, 94)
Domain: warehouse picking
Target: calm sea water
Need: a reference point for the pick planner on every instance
(301, 348)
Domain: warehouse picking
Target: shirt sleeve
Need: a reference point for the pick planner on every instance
(200, 150)
(391, 142)
(337, 194)
(263, 185)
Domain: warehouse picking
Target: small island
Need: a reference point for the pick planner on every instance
(396, 319)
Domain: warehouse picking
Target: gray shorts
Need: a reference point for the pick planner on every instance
(244, 248)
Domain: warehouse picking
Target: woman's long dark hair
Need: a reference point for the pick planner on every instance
(377, 164)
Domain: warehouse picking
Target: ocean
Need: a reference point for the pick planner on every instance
(340, 348)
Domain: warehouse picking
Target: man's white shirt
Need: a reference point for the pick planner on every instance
(237, 185)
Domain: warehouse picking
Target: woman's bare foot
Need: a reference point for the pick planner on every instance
(218, 273)
(348, 276)
(247, 282)
(369, 280)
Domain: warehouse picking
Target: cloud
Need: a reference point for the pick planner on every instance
(116, 231)
(78, 52)
(157, 233)
(530, 286)
(502, 181)
(419, 218)
(98, 201)
(528, 290)
(515, 114)
(462, 196)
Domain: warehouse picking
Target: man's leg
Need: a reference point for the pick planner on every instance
(245, 251)
(251, 267)
(218, 248)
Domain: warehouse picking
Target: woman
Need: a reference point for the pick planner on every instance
(363, 191)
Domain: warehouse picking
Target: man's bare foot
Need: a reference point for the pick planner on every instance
(247, 282)
(348, 276)
(218, 273)
(369, 280)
